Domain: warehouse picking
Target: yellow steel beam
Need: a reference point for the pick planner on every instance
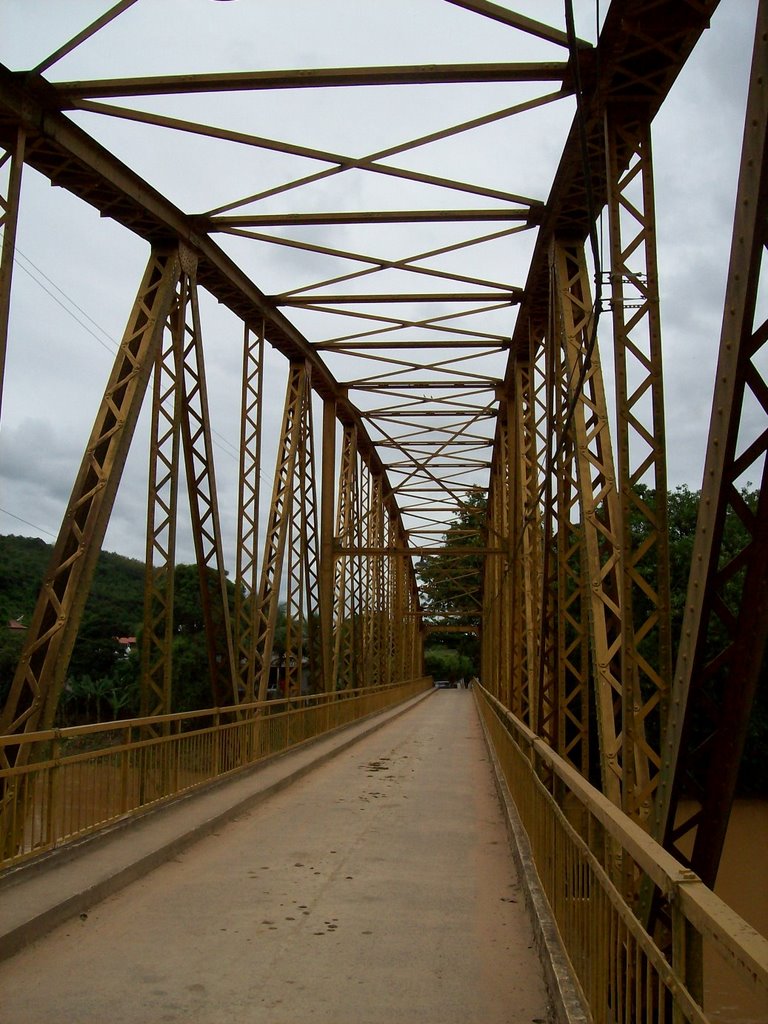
(51, 636)
(646, 640)
(725, 622)
(86, 33)
(529, 214)
(13, 159)
(277, 530)
(514, 20)
(599, 507)
(160, 560)
(203, 504)
(249, 503)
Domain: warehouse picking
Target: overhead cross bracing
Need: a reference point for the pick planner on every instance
(411, 223)
(461, 319)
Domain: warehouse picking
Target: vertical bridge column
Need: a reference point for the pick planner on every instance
(249, 504)
(277, 530)
(9, 215)
(327, 556)
(181, 425)
(646, 654)
(599, 505)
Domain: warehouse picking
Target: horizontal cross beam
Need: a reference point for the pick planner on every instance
(311, 78)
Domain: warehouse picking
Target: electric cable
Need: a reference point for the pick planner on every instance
(27, 522)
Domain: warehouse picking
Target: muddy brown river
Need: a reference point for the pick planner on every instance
(743, 884)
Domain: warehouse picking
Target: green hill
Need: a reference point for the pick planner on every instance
(116, 596)
(114, 608)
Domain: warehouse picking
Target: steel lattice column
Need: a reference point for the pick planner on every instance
(536, 520)
(162, 510)
(246, 577)
(358, 574)
(42, 669)
(646, 642)
(392, 572)
(343, 656)
(525, 525)
(412, 657)
(311, 547)
(726, 615)
(203, 504)
(543, 705)
(400, 605)
(513, 563)
(302, 595)
(600, 511)
(493, 656)
(504, 575)
(277, 530)
(180, 411)
(374, 631)
(13, 160)
(572, 661)
(327, 554)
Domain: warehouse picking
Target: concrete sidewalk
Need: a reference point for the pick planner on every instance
(40, 895)
(378, 887)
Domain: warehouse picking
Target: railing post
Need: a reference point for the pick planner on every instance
(687, 953)
(49, 834)
(125, 768)
(216, 758)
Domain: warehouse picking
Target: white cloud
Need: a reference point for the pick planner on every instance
(59, 360)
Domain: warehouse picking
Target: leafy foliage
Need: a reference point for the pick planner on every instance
(113, 609)
(103, 678)
(753, 776)
(451, 585)
(191, 674)
(443, 662)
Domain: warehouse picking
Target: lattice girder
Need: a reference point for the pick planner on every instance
(246, 576)
(41, 673)
(11, 167)
(641, 448)
(728, 591)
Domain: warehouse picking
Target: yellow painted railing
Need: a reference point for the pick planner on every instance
(82, 779)
(583, 846)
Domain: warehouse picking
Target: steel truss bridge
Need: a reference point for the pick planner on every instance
(421, 383)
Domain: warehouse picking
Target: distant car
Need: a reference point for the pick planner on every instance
(445, 684)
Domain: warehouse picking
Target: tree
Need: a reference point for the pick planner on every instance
(451, 580)
(684, 504)
(113, 609)
(448, 663)
(451, 590)
(191, 670)
(11, 643)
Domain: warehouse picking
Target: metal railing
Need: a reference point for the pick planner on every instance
(582, 846)
(83, 779)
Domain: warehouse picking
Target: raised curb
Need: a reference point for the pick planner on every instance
(40, 895)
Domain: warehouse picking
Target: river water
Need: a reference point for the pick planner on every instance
(743, 884)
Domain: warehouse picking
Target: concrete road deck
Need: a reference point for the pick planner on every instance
(377, 888)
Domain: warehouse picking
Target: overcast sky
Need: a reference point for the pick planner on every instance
(77, 274)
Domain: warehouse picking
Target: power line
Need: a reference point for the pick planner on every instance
(27, 522)
(111, 345)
